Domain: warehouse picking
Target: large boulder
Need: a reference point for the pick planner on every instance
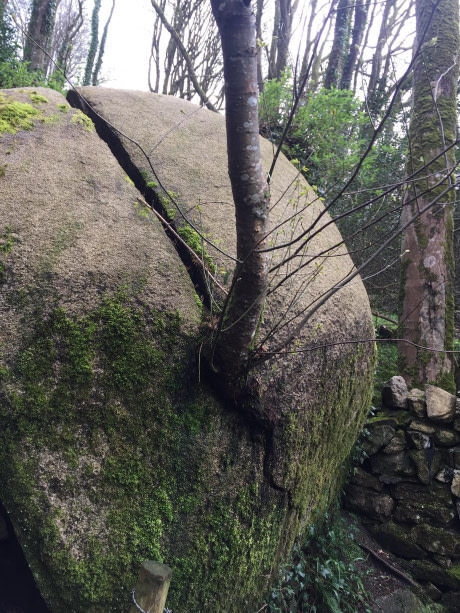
(111, 450)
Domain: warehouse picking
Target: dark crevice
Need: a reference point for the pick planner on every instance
(150, 195)
(18, 591)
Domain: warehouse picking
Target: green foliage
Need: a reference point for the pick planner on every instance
(8, 44)
(321, 576)
(328, 137)
(14, 72)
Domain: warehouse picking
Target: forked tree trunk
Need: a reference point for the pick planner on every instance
(427, 248)
(236, 23)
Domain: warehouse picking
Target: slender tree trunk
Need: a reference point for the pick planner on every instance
(273, 43)
(93, 44)
(359, 25)
(236, 24)
(374, 103)
(427, 308)
(95, 76)
(40, 31)
(284, 36)
(259, 12)
(339, 45)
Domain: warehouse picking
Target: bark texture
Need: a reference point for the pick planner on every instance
(340, 44)
(39, 31)
(236, 23)
(427, 307)
(359, 25)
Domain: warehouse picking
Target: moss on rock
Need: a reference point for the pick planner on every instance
(15, 116)
(111, 451)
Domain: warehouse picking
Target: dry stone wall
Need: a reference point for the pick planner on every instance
(408, 488)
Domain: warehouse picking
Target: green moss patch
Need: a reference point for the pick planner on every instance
(80, 119)
(16, 116)
(37, 98)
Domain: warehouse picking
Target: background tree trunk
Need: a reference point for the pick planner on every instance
(361, 11)
(428, 266)
(40, 30)
(93, 44)
(100, 56)
(340, 44)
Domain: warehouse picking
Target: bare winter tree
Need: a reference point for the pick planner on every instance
(427, 247)
(281, 38)
(69, 42)
(185, 54)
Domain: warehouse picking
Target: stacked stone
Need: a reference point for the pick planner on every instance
(408, 488)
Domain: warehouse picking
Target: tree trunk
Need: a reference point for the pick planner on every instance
(95, 76)
(374, 103)
(259, 13)
(284, 36)
(93, 44)
(39, 33)
(240, 319)
(339, 45)
(427, 307)
(361, 11)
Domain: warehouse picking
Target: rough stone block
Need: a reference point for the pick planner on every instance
(397, 602)
(427, 463)
(422, 426)
(368, 502)
(394, 464)
(398, 540)
(428, 571)
(417, 503)
(418, 440)
(394, 393)
(397, 444)
(416, 403)
(437, 540)
(455, 485)
(440, 405)
(380, 435)
(362, 478)
(445, 438)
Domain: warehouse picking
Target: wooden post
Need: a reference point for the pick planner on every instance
(152, 587)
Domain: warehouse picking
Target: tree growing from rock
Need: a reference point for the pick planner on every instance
(427, 307)
(241, 315)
